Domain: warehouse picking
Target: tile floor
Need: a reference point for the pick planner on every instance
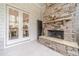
(32, 48)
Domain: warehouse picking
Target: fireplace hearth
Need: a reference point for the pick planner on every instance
(56, 34)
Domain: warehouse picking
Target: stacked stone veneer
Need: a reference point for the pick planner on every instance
(60, 11)
(66, 16)
(63, 47)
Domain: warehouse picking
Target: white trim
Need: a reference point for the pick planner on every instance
(14, 6)
(20, 42)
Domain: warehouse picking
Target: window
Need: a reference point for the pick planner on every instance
(25, 24)
(18, 22)
(13, 24)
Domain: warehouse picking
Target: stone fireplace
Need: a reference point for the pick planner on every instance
(60, 24)
(56, 34)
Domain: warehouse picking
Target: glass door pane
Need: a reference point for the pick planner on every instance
(13, 24)
(25, 25)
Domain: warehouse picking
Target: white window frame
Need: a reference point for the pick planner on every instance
(20, 37)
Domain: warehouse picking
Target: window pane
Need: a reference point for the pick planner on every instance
(13, 24)
(25, 25)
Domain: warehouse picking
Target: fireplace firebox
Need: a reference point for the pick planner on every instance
(56, 34)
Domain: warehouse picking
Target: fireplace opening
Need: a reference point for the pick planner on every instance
(56, 34)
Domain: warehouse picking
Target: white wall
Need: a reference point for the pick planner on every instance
(34, 11)
(2, 24)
